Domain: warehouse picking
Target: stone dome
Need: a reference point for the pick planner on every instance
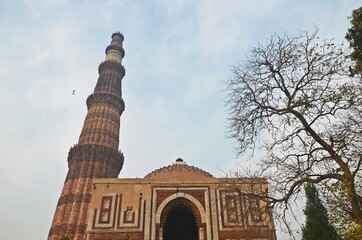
(178, 170)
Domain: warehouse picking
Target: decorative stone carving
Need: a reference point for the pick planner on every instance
(96, 153)
(106, 98)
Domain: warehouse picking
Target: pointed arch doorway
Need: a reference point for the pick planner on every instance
(180, 221)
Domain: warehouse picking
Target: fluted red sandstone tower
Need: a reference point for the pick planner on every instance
(96, 155)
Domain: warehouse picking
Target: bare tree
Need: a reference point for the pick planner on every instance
(294, 98)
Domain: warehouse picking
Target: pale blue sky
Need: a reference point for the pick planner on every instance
(178, 53)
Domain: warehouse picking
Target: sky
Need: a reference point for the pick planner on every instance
(178, 56)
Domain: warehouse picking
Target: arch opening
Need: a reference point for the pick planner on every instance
(180, 222)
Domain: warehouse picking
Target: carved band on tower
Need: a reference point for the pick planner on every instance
(96, 154)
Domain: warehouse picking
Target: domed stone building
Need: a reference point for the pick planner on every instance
(175, 202)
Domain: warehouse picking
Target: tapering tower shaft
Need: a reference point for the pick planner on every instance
(96, 155)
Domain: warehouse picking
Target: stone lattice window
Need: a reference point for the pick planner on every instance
(255, 210)
(231, 204)
(232, 209)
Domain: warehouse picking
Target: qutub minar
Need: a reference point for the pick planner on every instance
(175, 202)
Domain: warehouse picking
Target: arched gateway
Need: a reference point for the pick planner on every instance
(180, 220)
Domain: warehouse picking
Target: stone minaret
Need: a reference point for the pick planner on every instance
(96, 155)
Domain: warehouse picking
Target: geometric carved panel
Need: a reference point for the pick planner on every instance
(231, 209)
(113, 215)
(238, 211)
(104, 216)
(255, 211)
(105, 211)
(130, 217)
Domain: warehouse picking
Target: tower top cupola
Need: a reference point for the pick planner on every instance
(115, 51)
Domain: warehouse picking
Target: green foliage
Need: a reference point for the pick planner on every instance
(353, 232)
(65, 237)
(317, 225)
(338, 207)
(354, 37)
